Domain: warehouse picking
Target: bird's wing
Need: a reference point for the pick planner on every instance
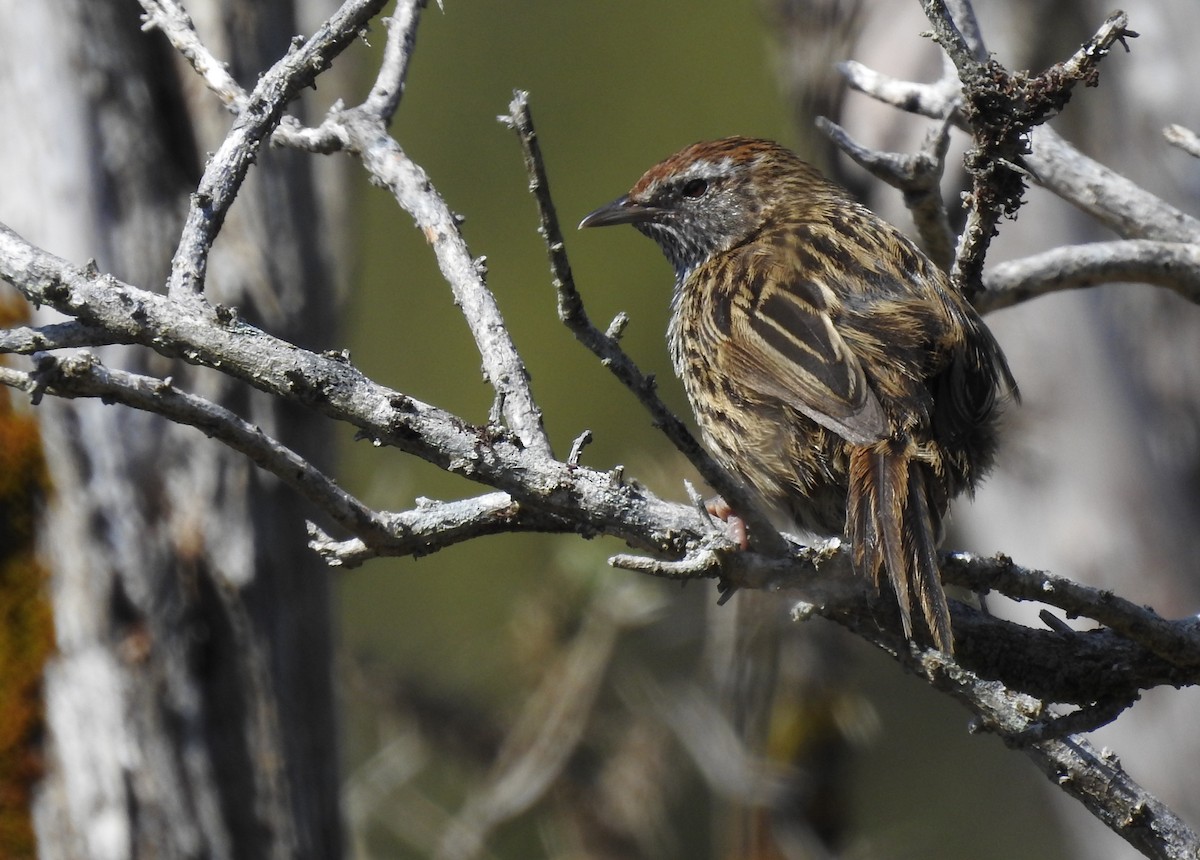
(780, 341)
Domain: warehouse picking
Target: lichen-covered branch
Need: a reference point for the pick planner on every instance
(1000, 108)
(334, 388)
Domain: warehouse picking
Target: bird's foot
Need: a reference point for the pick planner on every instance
(718, 508)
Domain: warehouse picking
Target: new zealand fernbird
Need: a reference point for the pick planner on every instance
(829, 363)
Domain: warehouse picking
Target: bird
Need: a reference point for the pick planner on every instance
(831, 366)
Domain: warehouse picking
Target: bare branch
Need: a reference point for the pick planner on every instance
(962, 15)
(703, 563)
(411, 186)
(82, 375)
(24, 340)
(175, 23)
(363, 131)
(1094, 778)
(1115, 201)
(339, 391)
(433, 526)
(1177, 642)
(1079, 667)
(171, 18)
(1173, 265)
(970, 55)
(257, 118)
(581, 441)
(606, 505)
(1082, 721)
(938, 100)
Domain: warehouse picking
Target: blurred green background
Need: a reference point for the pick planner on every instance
(614, 86)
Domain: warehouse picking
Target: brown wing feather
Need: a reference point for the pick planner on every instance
(781, 342)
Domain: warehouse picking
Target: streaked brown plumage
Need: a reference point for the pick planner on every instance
(829, 363)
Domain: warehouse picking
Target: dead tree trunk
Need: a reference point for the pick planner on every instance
(190, 709)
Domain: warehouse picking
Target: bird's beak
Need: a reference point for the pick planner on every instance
(623, 210)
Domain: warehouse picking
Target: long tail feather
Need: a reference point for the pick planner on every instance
(921, 529)
(866, 548)
(893, 528)
(890, 520)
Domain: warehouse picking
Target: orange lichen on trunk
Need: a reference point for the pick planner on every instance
(26, 623)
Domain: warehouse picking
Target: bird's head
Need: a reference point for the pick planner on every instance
(707, 198)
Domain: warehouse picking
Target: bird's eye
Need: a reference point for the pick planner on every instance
(695, 189)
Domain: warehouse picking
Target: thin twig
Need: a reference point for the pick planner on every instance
(24, 340)
(388, 89)
(256, 119)
(435, 525)
(388, 164)
(1077, 722)
(963, 15)
(940, 100)
(170, 17)
(581, 441)
(762, 534)
(1183, 138)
